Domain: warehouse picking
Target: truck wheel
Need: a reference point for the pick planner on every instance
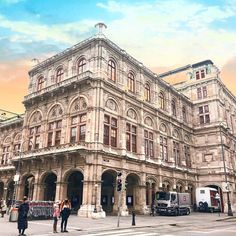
(211, 210)
(187, 212)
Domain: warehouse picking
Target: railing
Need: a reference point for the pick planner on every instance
(65, 82)
(68, 147)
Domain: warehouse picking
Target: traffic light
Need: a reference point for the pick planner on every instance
(119, 182)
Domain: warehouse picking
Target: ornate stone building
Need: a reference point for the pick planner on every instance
(93, 110)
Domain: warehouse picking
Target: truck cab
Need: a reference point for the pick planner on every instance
(173, 203)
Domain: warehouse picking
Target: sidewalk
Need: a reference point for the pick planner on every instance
(75, 223)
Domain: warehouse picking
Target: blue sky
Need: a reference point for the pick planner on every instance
(163, 34)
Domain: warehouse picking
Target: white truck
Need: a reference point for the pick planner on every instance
(207, 199)
(173, 203)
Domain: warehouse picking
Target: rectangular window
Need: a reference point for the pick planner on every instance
(82, 131)
(110, 131)
(131, 138)
(187, 156)
(31, 143)
(50, 135)
(199, 93)
(197, 75)
(176, 152)
(58, 138)
(148, 140)
(204, 90)
(204, 116)
(202, 74)
(163, 148)
(37, 142)
(73, 132)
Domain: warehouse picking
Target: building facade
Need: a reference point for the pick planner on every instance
(93, 111)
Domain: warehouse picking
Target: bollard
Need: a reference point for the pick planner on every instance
(13, 214)
(133, 218)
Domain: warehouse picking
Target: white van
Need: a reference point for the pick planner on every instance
(206, 199)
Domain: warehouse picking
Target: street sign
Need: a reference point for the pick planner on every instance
(225, 187)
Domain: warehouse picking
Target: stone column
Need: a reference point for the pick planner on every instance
(61, 191)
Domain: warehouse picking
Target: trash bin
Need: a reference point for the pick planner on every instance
(13, 214)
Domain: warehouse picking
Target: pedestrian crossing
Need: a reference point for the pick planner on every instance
(114, 232)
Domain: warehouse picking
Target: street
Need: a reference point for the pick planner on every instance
(193, 225)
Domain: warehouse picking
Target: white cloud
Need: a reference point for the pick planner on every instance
(63, 33)
(166, 33)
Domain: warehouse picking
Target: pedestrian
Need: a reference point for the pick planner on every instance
(22, 216)
(3, 208)
(56, 215)
(65, 213)
(152, 210)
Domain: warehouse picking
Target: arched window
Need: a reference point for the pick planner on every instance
(147, 92)
(111, 70)
(81, 65)
(59, 75)
(40, 84)
(162, 101)
(173, 107)
(131, 82)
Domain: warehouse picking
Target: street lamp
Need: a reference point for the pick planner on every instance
(17, 175)
(230, 213)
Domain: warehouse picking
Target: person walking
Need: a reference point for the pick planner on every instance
(56, 215)
(22, 221)
(65, 213)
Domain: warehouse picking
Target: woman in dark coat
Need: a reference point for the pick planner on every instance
(22, 216)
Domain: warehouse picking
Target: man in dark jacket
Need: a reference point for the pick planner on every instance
(22, 216)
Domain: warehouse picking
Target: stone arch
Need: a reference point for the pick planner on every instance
(164, 128)
(167, 185)
(7, 140)
(133, 114)
(55, 111)
(219, 189)
(35, 117)
(180, 187)
(27, 185)
(74, 187)
(48, 182)
(133, 192)
(112, 104)
(77, 104)
(10, 189)
(176, 134)
(149, 122)
(108, 192)
(151, 187)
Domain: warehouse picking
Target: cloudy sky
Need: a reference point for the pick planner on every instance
(162, 34)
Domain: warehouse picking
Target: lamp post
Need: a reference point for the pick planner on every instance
(17, 175)
(230, 213)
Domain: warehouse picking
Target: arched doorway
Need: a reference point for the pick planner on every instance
(132, 191)
(150, 193)
(75, 190)
(29, 187)
(107, 192)
(219, 190)
(50, 187)
(1, 190)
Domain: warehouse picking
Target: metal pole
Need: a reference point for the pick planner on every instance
(118, 215)
(230, 213)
